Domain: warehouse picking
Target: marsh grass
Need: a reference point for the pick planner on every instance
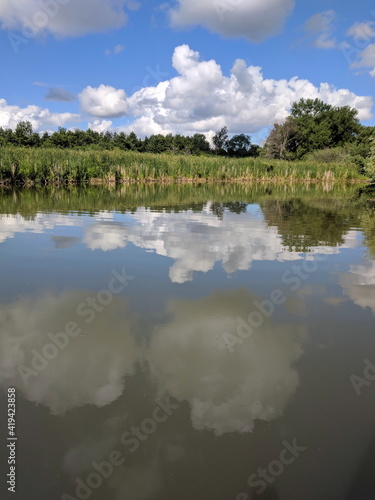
(48, 166)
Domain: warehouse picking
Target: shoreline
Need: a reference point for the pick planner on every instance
(105, 182)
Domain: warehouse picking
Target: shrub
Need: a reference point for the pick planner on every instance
(370, 162)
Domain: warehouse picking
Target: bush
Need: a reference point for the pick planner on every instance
(348, 155)
(370, 162)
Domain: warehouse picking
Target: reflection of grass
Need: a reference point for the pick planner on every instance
(122, 198)
(306, 214)
(40, 165)
(368, 224)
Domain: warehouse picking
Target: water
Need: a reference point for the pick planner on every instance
(189, 342)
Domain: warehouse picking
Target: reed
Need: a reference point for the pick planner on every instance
(49, 166)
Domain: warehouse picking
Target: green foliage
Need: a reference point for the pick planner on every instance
(200, 144)
(321, 126)
(220, 140)
(370, 162)
(315, 132)
(313, 125)
(90, 139)
(348, 155)
(239, 146)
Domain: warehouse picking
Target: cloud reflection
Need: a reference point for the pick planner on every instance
(90, 370)
(359, 284)
(106, 236)
(195, 241)
(227, 393)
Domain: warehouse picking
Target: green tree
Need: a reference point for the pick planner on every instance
(309, 107)
(23, 133)
(239, 146)
(200, 144)
(156, 144)
(370, 162)
(60, 139)
(320, 125)
(220, 140)
(133, 142)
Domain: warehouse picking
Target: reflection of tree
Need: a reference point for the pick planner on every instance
(236, 207)
(89, 199)
(305, 215)
(368, 223)
(303, 225)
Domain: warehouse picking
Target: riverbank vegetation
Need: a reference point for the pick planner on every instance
(48, 166)
(316, 142)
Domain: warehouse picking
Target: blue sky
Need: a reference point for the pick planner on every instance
(182, 66)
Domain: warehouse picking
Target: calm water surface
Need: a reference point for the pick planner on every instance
(189, 342)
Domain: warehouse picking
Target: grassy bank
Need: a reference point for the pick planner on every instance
(49, 166)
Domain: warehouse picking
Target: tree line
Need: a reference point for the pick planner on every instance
(313, 130)
(24, 136)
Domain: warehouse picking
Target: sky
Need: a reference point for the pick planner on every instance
(182, 66)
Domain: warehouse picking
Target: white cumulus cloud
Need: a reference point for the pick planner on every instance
(255, 20)
(104, 101)
(100, 125)
(40, 118)
(201, 98)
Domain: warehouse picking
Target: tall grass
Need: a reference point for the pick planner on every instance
(48, 166)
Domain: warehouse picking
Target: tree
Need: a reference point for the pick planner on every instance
(282, 141)
(23, 133)
(239, 146)
(60, 139)
(181, 144)
(370, 162)
(320, 125)
(133, 141)
(200, 144)
(156, 144)
(309, 107)
(220, 141)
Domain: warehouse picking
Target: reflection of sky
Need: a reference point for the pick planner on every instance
(359, 284)
(227, 392)
(194, 241)
(90, 370)
(10, 225)
(178, 344)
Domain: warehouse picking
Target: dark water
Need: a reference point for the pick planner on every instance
(189, 342)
